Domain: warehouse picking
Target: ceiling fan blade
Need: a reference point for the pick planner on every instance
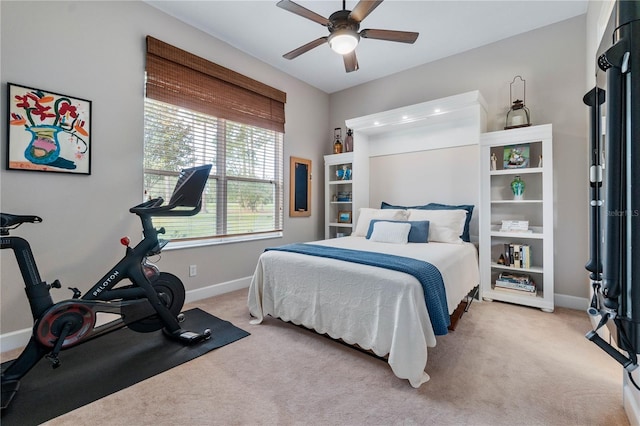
(350, 62)
(302, 11)
(390, 35)
(363, 9)
(305, 48)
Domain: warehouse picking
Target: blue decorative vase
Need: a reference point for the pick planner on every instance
(44, 147)
(517, 187)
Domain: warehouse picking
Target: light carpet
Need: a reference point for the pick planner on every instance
(504, 365)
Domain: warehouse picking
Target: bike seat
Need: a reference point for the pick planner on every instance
(8, 220)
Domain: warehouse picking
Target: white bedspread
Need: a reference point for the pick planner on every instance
(376, 308)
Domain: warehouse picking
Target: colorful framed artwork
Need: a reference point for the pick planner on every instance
(516, 156)
(48, 132)
(344, 217)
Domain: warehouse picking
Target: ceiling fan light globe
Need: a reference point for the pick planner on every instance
(343, 42)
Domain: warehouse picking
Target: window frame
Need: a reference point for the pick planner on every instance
(185, 81)
(220, 234)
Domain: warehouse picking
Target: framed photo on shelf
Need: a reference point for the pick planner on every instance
(344, 172)
(516, 156)
(344, 217)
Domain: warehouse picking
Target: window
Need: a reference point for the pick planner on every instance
(197, 112)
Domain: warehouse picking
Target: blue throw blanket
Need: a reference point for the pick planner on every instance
(428, 275)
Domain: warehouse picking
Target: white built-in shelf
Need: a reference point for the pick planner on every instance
(516, 171)
(532, 269)
(495, 206)
(515, 201)
(334, 185)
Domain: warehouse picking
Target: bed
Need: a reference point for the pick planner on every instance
(378, 309)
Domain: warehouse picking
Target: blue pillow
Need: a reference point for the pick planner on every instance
(419, 232)
(437, 206)
(385, 205)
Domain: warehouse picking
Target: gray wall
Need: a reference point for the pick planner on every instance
(100, 56)
(95, 51)
(448, 176)
(552, 61)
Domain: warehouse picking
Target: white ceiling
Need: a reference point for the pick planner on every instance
(446, 27)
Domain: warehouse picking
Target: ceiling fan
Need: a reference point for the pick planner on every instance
(343, 27)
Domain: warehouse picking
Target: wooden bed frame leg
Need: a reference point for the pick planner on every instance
(462, 308)
(457, 314)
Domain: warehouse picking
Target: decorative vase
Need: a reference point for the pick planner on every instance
(44, 147)
(348, 141)
(517, 187)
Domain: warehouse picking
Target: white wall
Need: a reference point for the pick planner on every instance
(95, 50)
(551, 60)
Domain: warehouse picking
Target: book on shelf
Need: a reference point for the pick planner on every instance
(516, 282)
(531, 287)
(517, 255)
(515, 277)
(515, 226)
(526, 256)
(515, 291)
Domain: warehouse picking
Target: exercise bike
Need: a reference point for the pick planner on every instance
(151, 301)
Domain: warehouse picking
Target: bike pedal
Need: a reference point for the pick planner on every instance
(190, 337)
(55, 362)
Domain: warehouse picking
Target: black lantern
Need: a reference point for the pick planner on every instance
(518, 115)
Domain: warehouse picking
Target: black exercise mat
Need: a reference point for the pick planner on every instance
(108, 364)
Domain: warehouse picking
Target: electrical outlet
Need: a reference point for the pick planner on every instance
(193, 270)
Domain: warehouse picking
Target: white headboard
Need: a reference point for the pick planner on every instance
(422, 153)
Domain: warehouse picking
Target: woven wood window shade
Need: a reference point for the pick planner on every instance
(180, 78)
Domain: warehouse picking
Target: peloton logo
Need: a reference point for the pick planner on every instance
(106, 283)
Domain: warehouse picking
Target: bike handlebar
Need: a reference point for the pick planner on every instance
(154, 207)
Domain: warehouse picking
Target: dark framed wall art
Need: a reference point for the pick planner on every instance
(300, 190)
(48, 132)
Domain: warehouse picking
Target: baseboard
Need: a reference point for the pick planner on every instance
(19, 338)
(571, 302)
(15, 339)
(217, 289)
(630, 400)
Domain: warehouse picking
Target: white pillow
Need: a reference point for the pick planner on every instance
(390, 232)
(366, 214)
(445, 226)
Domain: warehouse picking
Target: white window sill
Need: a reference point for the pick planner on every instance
(177, 245)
